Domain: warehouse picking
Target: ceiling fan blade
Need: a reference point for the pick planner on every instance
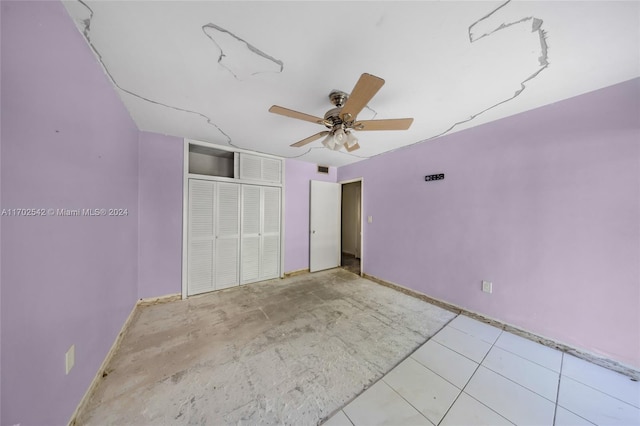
(365, 89)
(295, 114)
(353, 148)
(391, 124)
(310, 139)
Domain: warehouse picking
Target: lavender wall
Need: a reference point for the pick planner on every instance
(0, 224)
(67, 142)
(544, 204)
(160, 226)
(298, 174)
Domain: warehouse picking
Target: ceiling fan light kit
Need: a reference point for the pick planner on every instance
(341, 120)
(335, 140)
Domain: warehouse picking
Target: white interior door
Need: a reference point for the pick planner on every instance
(324, 239)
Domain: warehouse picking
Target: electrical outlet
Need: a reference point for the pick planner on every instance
(487, 286)
(70, 359)
(370, 219)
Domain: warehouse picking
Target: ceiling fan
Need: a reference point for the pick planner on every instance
(342, 119)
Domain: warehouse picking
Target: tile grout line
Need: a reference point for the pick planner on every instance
(392, 368)
(435, 372)
(424, 366)
(411, 356)
(575, 379)
(347, 416)
(602, 392)
(471, 377)
(530, 360)
(452, 350)
(501, 375)
(405, 400)
(555, 410)
(461, 354)
(479, 338)
(554, 371)
(519, 384)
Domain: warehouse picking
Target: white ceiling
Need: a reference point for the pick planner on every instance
(210, 70)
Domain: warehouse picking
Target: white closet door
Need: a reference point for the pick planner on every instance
(227, 235)
(251, 218)
(270, 253)
(201, 248)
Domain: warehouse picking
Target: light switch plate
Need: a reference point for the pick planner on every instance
(370, 219)
(487, 286)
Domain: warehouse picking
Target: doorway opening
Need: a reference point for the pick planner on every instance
(351, 227)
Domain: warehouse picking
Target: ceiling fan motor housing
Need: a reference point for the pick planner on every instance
(338, 98)
(332, 118)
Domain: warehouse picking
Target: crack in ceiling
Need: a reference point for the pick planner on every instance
(543, 59)
(209, 70)
(244, 63)
(86, 32)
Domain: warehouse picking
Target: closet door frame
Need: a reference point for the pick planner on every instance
(236, 179)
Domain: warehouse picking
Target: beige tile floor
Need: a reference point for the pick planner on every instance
(471, 373)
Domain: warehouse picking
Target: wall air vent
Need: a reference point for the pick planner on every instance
(323, 169)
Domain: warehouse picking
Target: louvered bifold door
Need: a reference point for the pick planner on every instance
(201, 247)
(227, 235)
(250, 167)
(250, 241)
(270, 250)
(271, 170)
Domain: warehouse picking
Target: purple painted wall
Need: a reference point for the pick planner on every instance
(544, 204)
(67, 143)
(298, 174)
(0, 223)
(160, 225)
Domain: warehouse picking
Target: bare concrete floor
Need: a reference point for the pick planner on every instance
(350, 263)
(287, 351)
